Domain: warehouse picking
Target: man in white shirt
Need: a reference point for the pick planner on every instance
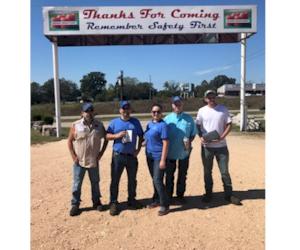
(215, 117)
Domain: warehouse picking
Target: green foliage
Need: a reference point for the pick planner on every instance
(92, 84)
(48, 120)
(214, 84)
(45, 93)
(36, 118)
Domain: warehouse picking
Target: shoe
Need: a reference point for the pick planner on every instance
(181, 199)
(74, 210)
(207, 197)
(153, 205)
(163, 211)
(113, 209)
(98, 206)
(135, 204)
(233, 200)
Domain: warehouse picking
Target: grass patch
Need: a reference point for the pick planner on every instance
(37, 138)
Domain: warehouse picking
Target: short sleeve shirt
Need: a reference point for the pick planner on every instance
(155, 133)
(179, 126)
(210, 119)
(117, 125)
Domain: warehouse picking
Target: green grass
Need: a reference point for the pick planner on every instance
(37, 138)
(144, 106)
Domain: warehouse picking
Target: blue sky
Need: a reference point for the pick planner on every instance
(181, 63)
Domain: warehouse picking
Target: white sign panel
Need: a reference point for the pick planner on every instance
(149, 20)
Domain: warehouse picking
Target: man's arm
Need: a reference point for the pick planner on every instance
(103, 149)
(71, 138)
(140, 141)
(110, 136)
(227, 129)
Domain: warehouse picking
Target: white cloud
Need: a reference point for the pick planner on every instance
(207, 71)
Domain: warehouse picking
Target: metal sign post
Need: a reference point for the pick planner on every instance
(243, 122)
(56, 88)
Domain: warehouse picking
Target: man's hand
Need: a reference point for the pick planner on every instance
(75, 159)
(202, 140)
(136, 152)
(162, 164)
(120, 134)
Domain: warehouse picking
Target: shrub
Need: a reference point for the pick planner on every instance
(36, 118)
(48, 120)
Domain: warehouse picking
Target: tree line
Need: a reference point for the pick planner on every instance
(93, 86)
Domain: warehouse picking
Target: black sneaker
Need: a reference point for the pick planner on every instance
(233, 200)
(163, 211)
(113, 209)
(74, 210)
(98, 206)
(207, 198)
(134, 204)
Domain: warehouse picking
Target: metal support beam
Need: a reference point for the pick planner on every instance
(56, 88)
(243, 110)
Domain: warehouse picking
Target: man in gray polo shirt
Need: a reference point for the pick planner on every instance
(84, 143)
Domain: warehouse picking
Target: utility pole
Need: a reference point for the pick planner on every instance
(121, 84)
(150, 87)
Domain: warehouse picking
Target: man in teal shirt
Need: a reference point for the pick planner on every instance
(182, 130)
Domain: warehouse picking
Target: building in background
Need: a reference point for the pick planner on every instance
(251, 89)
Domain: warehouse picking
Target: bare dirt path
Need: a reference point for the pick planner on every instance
(192, 226)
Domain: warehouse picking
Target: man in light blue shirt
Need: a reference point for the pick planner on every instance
(182, 131)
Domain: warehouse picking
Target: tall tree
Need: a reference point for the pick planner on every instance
(36, 94)
(220, 80)
(172, 87)
(92, 84)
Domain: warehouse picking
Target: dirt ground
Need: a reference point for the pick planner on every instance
(194, 225)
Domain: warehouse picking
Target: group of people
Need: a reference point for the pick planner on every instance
(168, 146)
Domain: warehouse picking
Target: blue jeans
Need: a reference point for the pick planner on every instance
(78, 175)
(181, 180)
(160, 193)
(222, 157)
(119, 162)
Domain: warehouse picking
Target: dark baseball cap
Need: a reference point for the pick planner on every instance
(210, 91)
(176, 99)
(87, 106)
(123, 104)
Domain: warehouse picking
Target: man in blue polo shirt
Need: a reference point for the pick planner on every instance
(124, 131)
(182, 131)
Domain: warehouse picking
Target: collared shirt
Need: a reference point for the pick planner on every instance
(87, 143)
(155, 133)
(179, 126)
(117, 125)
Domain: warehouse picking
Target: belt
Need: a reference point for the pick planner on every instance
(120, 153)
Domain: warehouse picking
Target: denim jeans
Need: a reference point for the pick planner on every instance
(160, 194)
(119, 162)
(78, 175)
(222, 157)
(182, 174)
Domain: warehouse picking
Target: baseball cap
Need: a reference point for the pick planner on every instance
(176, 99)
(210, 91)
(123, 104)
(87, 106)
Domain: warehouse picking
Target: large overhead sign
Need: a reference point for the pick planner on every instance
(149, 20)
